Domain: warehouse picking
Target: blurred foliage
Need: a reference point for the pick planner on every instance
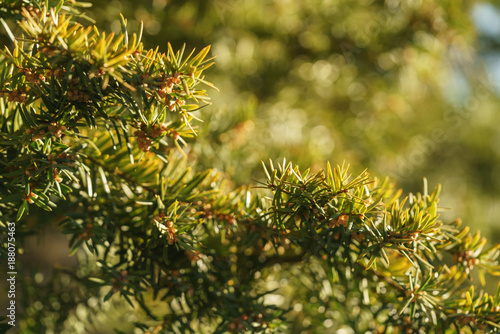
(396, 86)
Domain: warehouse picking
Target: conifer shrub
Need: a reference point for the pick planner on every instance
(93, 127)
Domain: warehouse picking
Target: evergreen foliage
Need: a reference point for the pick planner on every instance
(93, 128)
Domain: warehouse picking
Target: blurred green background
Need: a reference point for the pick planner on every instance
(408, 89)
(405, 88)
